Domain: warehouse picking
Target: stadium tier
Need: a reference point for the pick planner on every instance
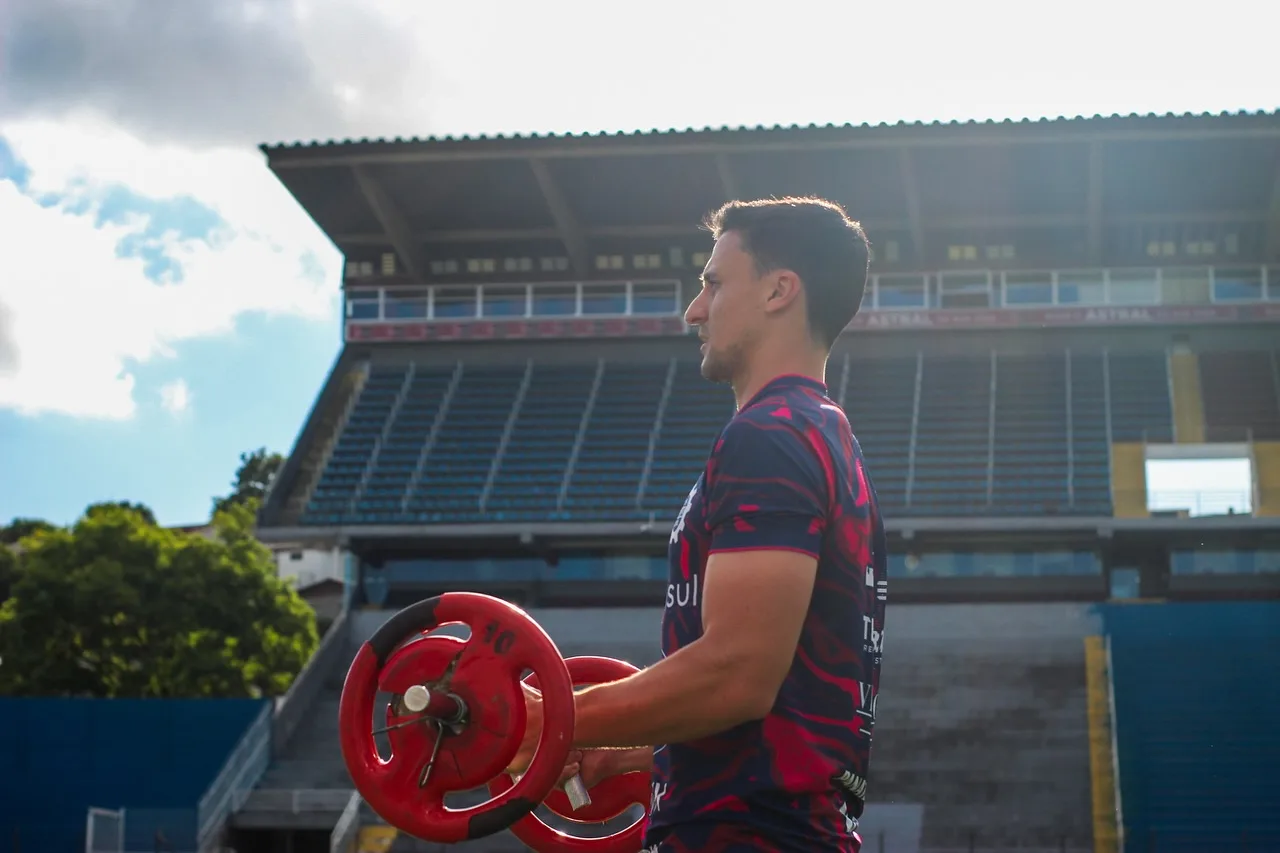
(616, 440)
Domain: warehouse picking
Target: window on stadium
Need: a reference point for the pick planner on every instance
(363, 305)
(1134, 287)
(555, 300)
(1028, 288)
(407, 303)
(455, 302)
(901, 291)
(1082, 287)
(604, 299)
(505, 300)
(1217, 485)
(1238, 285)
(964, 290)
(657, 297)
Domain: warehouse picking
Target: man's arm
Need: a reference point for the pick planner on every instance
(767, 511)
(754, 607)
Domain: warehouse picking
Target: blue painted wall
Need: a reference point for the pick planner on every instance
(1196, 690)
(154, 758)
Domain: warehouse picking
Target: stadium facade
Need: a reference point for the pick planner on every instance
(517, 409)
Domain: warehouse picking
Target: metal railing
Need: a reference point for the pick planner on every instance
(1071, 431)
(347, 828)
(381, 301)
(371, 464)
(298, 801)
(297, 701)
(313, 465)
(1197, 502)
(504, 441)
(993, 388)
(437, 423)
(656, 432)
(583, 425)
(915, 426)
(1115, 743)
(240, 772)
(1224, 434)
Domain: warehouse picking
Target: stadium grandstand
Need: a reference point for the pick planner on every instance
(1074, 661)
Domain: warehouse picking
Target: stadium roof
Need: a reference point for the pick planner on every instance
(1114, 125)
(906, 180)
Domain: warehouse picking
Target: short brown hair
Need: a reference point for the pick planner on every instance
(814, 238)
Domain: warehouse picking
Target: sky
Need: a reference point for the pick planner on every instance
(165, 305)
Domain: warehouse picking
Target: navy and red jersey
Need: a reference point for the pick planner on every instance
(785, 474)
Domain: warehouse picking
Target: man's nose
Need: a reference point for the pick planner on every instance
(694, 315)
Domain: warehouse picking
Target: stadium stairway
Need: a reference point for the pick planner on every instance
(1195, 696)
(1032, 464)
(982, 718)
(295, 778)
(952, 462)
(1089, 427)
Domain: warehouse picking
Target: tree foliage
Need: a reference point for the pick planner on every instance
(8, 566)
(115, 606)
(253, 477)
(20, 528)
(141, 509)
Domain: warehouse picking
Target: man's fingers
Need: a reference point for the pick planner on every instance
(570, 770)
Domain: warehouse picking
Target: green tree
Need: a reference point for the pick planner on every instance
(141, 509)
(256, 471)
(8, 568)
(116, 607)
(21, 528)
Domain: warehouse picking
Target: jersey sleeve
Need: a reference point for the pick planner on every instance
(766, 490)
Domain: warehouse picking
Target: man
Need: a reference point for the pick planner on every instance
(762, 708)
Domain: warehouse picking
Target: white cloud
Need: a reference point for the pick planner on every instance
(175, 397)
(77, 312)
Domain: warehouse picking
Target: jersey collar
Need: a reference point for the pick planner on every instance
(787, 382)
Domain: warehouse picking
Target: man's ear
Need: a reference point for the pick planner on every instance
(784, 289)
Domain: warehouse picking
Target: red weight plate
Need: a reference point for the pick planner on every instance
(504, 642)
(495, 712)
(609, 797)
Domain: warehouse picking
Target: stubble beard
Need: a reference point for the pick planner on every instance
(719, 367)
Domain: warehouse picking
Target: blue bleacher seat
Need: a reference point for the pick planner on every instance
(420, 443)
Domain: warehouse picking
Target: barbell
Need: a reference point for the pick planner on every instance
(455, 720)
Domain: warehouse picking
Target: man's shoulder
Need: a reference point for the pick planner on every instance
(767, 425)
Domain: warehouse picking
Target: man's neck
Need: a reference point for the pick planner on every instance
(810, 364)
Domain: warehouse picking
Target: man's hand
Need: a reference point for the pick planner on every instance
(596, 765)
(532, 731)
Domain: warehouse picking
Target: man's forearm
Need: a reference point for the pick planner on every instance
(634, 759)
(694, 693)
